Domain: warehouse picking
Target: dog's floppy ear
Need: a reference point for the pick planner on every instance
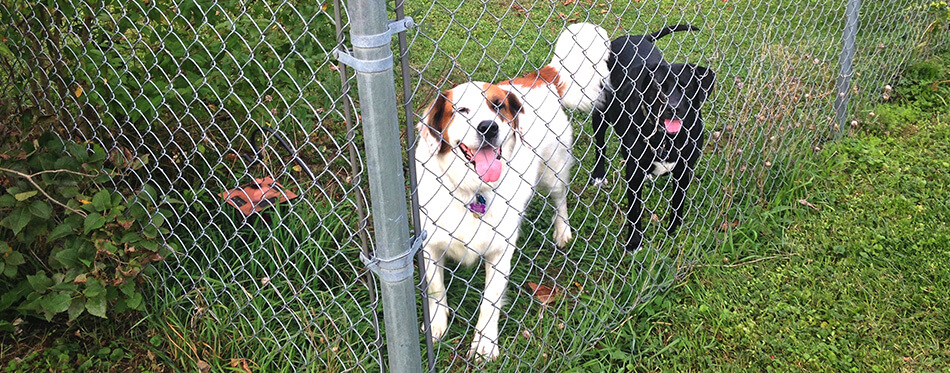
(433, 129)
(513, 108)
(646, 83)
(702, 80)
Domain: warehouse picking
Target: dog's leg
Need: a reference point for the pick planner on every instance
(562, 227)
(438, 306)
(497, 271)
(682, 173)
(599, 176)
(635, 173)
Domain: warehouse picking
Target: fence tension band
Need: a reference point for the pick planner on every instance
(397, 268)
(373, 41)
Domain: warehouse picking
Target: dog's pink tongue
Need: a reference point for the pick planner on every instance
(673, 125)
(487, 165)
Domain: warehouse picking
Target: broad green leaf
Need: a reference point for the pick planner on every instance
(158, 219)
(7, 200)
(76, 307)
(150, 232)
(96, 305)
(130, 237)
(55, 303)
(86, 252)
(13, 258)
(102, 201)
(61, 231)
(94, 288)
(150, 194)
(138, 211)
(127, 288)
(19, 218)
(40, 282)
(14, 295)
(25, 195)
(67, 256)
(109, 247)
(135, 302)
(41, 209)
(93, 221)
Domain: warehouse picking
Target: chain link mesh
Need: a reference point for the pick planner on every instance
(206, 97)
(776, 65)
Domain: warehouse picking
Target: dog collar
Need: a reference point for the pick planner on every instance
(478, 206)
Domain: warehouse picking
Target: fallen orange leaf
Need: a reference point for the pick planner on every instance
(242, 363)
(728, 225)
(544, 294)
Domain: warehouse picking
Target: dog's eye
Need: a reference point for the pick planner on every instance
(463, 110)
(498, 105)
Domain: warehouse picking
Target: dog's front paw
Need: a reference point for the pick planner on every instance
(562, 235)
(483, 348)
(438, 321)
(635, 243)
(598, 181)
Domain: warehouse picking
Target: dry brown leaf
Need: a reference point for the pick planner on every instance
(520, 9)
(241, 363)
(203, 366)
(806, 203)
(728, 225)
(569, 2)
(544, 294)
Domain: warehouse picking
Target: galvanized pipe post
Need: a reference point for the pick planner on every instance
(845, 62)
(372, 58)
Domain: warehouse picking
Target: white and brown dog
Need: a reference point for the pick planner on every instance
(484, 150)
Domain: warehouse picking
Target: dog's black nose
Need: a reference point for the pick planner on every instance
(488, 129)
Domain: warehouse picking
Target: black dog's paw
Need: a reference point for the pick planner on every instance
(598, 181)
(675, 222)
(635, 243)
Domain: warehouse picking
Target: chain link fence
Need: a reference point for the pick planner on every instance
(234, 102)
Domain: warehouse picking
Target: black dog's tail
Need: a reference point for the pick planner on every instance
(669, 30)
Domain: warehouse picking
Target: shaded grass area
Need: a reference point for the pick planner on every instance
(845, 270)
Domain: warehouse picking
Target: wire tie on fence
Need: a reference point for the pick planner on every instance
(378, 40)
(397, 268)
(373, 41)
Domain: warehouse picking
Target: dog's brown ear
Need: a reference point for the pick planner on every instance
(433, 129)
(512, 109)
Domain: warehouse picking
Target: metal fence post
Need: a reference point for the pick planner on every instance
(372, 58)
(845, 62)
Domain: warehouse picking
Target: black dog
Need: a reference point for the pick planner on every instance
(654, 106)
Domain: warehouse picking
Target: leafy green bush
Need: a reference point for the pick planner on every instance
(69, 246)
(185, 81)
